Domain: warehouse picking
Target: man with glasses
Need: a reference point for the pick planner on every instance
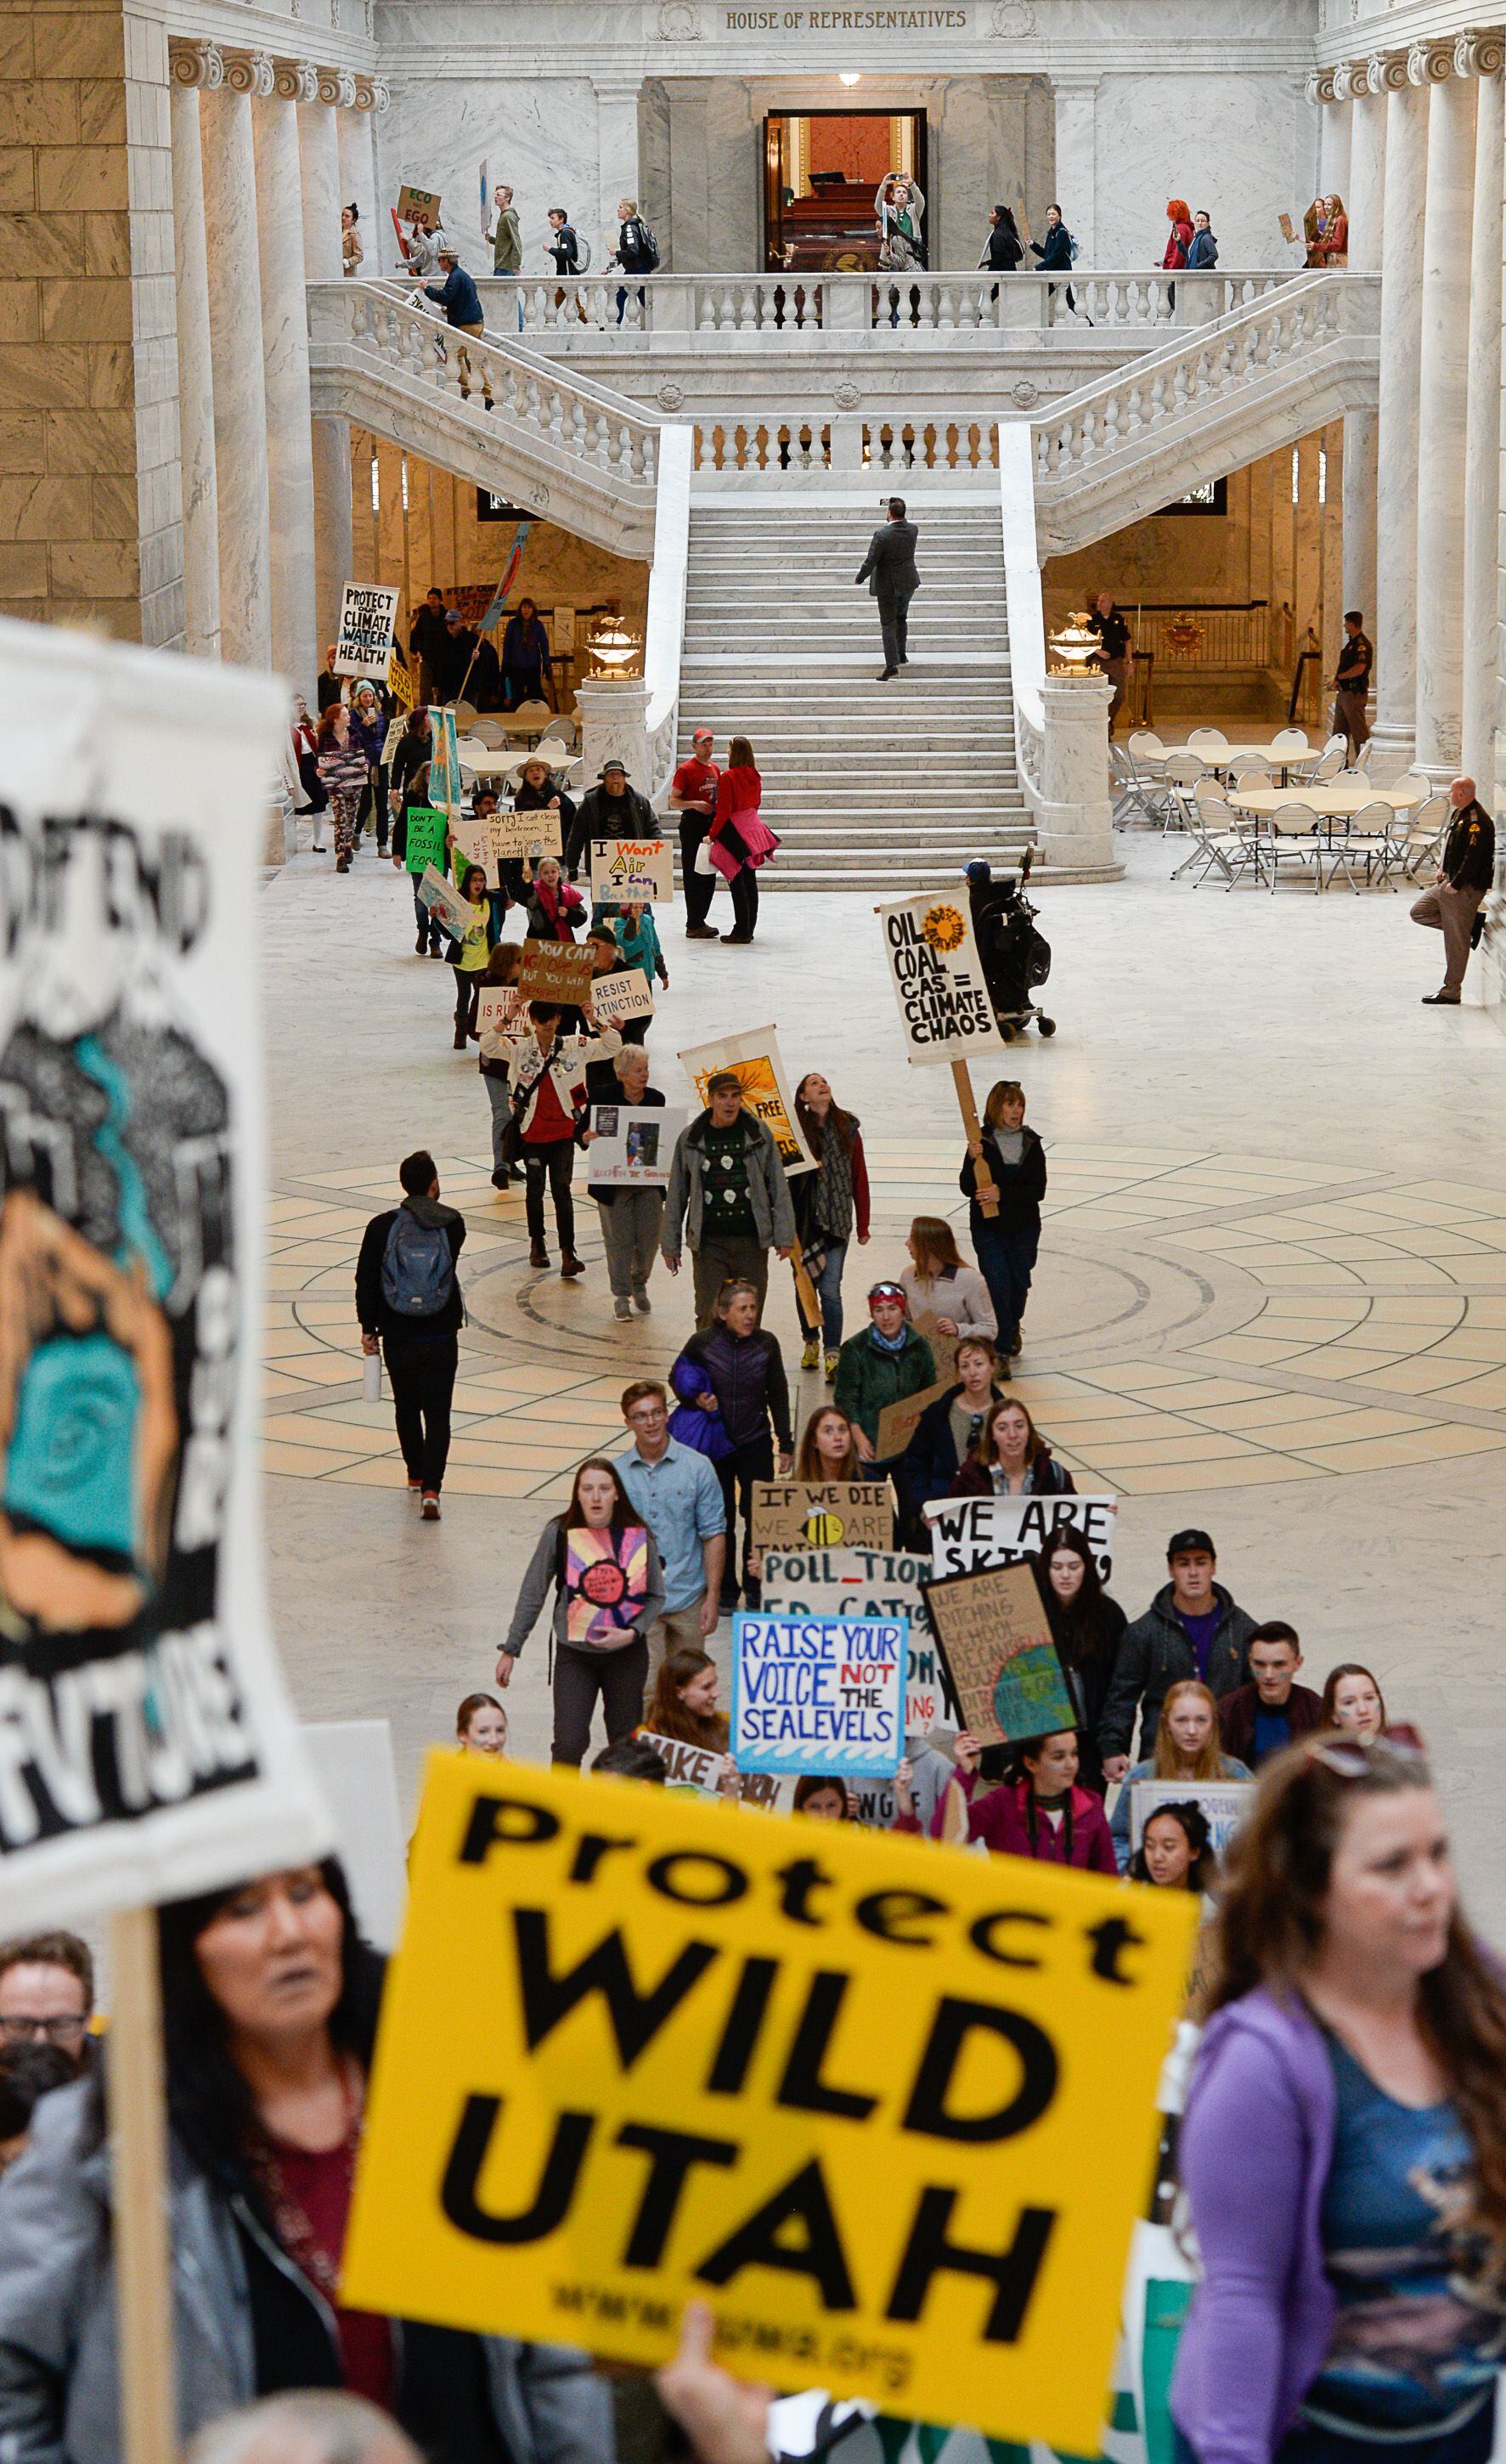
(47, 1994)
(679, 1496)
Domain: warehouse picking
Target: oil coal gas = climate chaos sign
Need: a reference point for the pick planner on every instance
(890, 2112)
(938, 979)
(819, 1694)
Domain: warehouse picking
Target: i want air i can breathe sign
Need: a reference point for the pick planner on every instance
(888, 2109)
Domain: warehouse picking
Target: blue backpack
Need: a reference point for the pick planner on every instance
(418, 1272)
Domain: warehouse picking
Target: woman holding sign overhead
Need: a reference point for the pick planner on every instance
(602, 1565)
(270, 2003)
(1039, 1811)
(1343, 2144)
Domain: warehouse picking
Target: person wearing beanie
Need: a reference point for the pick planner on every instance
(885, 1364)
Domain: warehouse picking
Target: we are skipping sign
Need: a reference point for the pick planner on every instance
(889, 2109)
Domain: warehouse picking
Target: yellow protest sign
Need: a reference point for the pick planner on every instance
(888, 2109)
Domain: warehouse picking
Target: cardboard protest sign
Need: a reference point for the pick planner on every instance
(501, 1009)
(150, 1748)
(692, 1770)
(446, 786)
(555, 971)
(819, 1694)
(754, 1060)
(942, 1347)
(869, 1583)
(822, 1514)
(967, 1532)
(696, 2061)
(626, 870)
(618, 996)
(368, 617)
(938, 982)
(427, 831)
(607, 1582)
(999, 1655)
(443, 899)
(634, 1145)
(532, 834)
(899, 1421)
(400, 683)
(474, 845)
(1225, 1803)
(420, 205)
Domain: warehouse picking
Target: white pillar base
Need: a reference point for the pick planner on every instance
(1074, 816)
(614, 726)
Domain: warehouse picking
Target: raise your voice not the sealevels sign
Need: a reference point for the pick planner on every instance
(888, 2109)
(819, 1694)
(368, 618)
(938, 981)
(148, 1750)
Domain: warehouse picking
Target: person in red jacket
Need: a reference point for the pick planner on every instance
(1272, 1710)
(739, 792)
(1181, 238)
(1039, 1811)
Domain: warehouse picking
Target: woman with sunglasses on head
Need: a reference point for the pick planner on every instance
(1343, 2147)
(1353, 1700)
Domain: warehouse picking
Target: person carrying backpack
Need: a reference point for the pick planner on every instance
(636, 250)
(408, 1300)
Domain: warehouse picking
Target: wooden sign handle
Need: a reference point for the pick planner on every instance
(136, 2092)
(806, 1290)
(987, 1196)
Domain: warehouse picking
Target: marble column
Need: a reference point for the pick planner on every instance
(285, 357)
(235, 352)
(1365, 198)
(1445, 357)
(357, 177)
(1077, 160)
(617, 147)
(1330, 594)
(318, 168)
(1307, 545)
(1482, 417)
(200, 521)
(1365, 194)
(1335, 155)
(1396, 633)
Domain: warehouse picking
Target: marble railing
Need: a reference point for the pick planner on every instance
(784, 307)
(1244, 345)
(900, 444)
(565, 415)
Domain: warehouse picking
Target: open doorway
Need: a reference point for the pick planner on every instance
(822, 171)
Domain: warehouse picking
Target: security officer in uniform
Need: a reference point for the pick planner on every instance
(1113, 652)
(1352, 685)
(1465, 875)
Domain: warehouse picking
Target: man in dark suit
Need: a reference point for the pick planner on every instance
(889, 571)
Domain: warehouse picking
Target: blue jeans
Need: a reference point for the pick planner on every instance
(828, 1291)
(1007, 1260)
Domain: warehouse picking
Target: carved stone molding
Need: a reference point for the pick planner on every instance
(679, 21)
(297, 81)
(1479, 54)
(1387, 72)
(1429, 63)
(339, 86)
(198, 64)
(846, 395)
(1012, 21)
(249, 73)
(1321, 87)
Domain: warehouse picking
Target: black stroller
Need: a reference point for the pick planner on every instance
(1015, 956)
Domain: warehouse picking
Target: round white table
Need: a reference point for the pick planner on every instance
(1332, 801)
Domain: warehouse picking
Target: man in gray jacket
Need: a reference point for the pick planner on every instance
(729, 1194)
(889, 571)
(1192, 1628)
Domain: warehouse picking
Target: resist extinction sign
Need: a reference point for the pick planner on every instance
(889, 2109)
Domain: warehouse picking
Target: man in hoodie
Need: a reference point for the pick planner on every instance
(728, 1196)
(408, 1302)
(1192, 1628)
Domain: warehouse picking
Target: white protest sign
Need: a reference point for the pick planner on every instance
(620, 996)
(867, 1583)
(501, 1009)
(938, 982)
(368, 618)
(443, 899)
(1224, 1803)
(359, 1777)
(532, 831)
(703, 1774)
(627, 871)
(473, 838)
(819, 1694)
(967, 1532)
(150, 1749)
(633, 1146)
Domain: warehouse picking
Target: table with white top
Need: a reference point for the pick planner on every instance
(1332, 799)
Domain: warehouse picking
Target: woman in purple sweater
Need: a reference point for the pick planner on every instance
(1343, 2148)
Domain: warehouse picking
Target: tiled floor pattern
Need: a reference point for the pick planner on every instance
(1291, 1321)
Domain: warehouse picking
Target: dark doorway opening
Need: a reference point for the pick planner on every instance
(822, 171)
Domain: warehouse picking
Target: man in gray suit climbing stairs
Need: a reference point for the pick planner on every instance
(889, 571)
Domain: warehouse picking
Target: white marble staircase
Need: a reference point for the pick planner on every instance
(889, 787)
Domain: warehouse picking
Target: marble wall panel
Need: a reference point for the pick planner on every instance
(1242, 145)
(539, 134)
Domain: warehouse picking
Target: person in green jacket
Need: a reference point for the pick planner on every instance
(885, 1363)
(507, 240)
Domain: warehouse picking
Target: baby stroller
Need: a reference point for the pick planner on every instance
(1016, 958)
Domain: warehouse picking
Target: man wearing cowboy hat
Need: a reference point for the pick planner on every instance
(611, 809)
